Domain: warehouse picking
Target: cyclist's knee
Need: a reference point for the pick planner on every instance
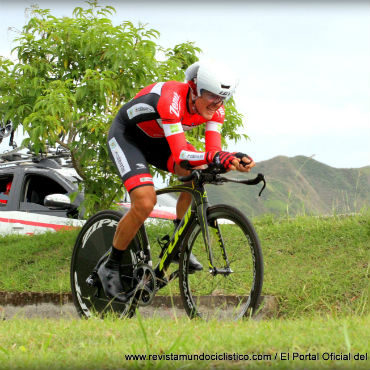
(143, 200)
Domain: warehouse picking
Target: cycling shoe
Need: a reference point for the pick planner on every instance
(111, 281)
(194, 264)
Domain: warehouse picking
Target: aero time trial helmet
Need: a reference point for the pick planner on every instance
(213, 77)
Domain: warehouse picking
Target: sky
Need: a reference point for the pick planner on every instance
(303, 69)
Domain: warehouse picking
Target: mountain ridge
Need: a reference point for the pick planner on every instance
(298, 185)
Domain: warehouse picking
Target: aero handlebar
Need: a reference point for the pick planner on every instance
(212, 176)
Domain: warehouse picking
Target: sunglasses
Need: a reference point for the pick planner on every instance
(212, 98)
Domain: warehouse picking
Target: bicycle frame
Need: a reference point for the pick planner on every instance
(198, 209)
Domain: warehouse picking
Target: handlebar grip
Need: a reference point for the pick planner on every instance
(260, 177)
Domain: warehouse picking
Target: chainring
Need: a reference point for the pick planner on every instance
(145, 288)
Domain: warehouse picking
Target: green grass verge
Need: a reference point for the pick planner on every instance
(38, 263)
(317, 264)
(103, 344)
(311, 264)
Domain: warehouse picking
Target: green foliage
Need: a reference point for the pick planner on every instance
(72, 76)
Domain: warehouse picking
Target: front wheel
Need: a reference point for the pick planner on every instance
(231, 288)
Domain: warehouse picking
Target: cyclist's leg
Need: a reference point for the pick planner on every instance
(184, 199)
(130, 161)
(158, 153)
(143, 200)
(134, 171)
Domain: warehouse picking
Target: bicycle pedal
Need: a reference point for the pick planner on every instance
(161, 282)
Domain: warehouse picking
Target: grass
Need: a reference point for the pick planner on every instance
(103, 344)
(318, 268)
(312, 265)
(38, 263)
(317, 264)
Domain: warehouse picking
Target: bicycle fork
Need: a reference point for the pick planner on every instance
(201, 206)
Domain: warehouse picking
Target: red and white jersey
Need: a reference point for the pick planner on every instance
(161, 110)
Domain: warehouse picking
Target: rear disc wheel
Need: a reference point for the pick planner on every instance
(95, 240)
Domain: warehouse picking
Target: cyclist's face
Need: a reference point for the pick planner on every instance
(208, 103)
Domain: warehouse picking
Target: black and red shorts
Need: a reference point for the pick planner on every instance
(131, 150)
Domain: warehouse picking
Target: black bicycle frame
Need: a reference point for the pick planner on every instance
(198, 210)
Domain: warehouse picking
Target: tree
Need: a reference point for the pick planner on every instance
(72, 76)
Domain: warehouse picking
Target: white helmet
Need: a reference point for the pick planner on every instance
(213, 77)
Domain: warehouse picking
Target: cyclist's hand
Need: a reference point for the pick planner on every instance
(223, 160)
(246, 163)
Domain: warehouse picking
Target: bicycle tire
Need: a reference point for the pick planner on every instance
(95, 239)
(220, 296)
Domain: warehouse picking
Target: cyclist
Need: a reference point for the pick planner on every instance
(150, 129)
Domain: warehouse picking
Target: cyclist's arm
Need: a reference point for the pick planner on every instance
(171, 107)
(213, 131)
(178, 145)
(213, 136)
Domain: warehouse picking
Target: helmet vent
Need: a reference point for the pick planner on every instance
(225, 86)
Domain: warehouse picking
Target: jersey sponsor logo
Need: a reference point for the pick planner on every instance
(113, 144)
(172, 128)
(191, 156)
(119, 157)
(175, 105)
(146, 179)
(140, 108)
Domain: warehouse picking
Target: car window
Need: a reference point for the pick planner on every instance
(5, 187)
(37, 187)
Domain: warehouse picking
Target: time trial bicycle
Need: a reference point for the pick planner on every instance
(220, 236)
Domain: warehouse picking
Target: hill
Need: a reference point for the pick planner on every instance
(298, 185)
